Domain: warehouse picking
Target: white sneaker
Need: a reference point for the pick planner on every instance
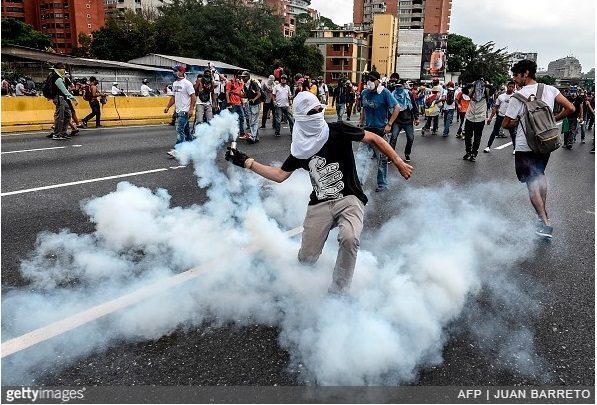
(487, 149)
(172, 153)
(514, 152)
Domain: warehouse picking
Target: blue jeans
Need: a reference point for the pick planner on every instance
(340, 108)
(254, 120)
(183, 132)
(382, 161)
(409, 130)
(241, 117)
(448, 117)
(278, 121)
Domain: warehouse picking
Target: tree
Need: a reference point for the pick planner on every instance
(84, 48)
(547, 79)
(461, 51)
(125, 36)
(15, 32)
(489, 63)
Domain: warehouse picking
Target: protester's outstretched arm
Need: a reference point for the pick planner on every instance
(377, 141)
(240, 159)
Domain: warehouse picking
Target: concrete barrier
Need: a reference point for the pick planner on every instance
(24, 114)
(37, 113)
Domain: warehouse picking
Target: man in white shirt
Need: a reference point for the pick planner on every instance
(282, 101)
(145, 89)
(530, 166)
(184, 99)
(499, 110)
(116, 90)
(476, 114)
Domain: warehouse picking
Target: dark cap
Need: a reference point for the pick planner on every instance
(373, 75)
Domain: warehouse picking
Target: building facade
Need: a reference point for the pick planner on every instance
(518, 56)
(62, 21)
(113, 6)
(565, 68)
(345, 51)
(383, 43)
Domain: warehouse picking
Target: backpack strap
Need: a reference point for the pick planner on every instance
(540, 87)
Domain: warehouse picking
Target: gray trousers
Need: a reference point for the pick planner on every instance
(62, 115)
(345, 212)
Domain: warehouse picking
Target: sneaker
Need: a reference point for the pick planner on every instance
(251, 141)
(514, 152)
(423, 132)
(50, 135)
(582, 140)
(380, 189)
(172, 153)
(262, 127)
(407, 158)
(544, 231)
(74, 132)
(99, 126)
(277, 135)
(433, 132)
(59, 137)
(473, 158)
(347, 118)
(83, 124)
(467, 156)
(243, 136)
(487, 150)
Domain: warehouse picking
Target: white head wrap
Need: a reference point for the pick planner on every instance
(310, 132)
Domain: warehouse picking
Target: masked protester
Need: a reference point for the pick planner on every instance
(184, 100)
(325, 151)
(407, 118)
(206, 98)
(377, 101)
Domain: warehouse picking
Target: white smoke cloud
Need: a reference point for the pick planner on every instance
(416, 275)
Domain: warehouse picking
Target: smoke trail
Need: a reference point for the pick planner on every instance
(414, 277)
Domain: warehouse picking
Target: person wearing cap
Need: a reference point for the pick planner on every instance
(252, 92)
(325, 151)
(94, 104)
(145, 89)
(184, 100)
(432, 111)
(449, 103)
(377, 101)
(116, 91)
(408, 116)
(62, 114)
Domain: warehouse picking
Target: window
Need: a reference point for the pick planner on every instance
(88, 15)
(87, 5)
(88, 25)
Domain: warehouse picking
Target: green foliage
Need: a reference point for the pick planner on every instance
(461, 51)
(84, 48)
(547, 79)
(15, 32)
(224, 30)
(492, 64)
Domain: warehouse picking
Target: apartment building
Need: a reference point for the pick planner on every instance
(62, 20)
(383, 44)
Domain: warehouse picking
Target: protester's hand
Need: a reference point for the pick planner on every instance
(417, 122)
(488, 121)
(190, 114)
(405, 169)
(236, 156)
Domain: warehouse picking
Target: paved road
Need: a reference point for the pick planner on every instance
(559, 274)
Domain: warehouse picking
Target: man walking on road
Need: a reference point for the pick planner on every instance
(282, 99)
(93, 98)
(184, 100)
(449, 100)
(253, 94)
(530, 165)
(325, 151)
(407, 118)
(474, 119)
(377, 101)
(499, 110)
(62, 114)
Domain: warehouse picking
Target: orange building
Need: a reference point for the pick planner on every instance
(431, 15)
(63, 21)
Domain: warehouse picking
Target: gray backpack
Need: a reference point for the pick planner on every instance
(540, 129)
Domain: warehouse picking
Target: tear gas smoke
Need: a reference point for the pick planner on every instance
(415, 275)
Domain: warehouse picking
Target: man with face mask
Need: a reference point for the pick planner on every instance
(339, 97)
(267, 89)
(206, 98)
(408, 116)
(325, 151)
(376, 101)
(184, 98)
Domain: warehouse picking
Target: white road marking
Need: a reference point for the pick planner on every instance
(177, 167)
(87, 129)
(72, 322)
(38, 149)
(504, 145)
(72, 183)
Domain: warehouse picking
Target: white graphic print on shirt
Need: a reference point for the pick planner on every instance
(326, 179)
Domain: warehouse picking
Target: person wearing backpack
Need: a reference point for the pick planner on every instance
(92, 96)
(407, 118)
(432, 110)
(55, 89)
(530, 163)
(449, 100)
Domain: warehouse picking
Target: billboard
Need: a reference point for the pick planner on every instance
(433, 59)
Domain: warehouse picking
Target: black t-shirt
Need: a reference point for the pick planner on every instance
(251, 92)
(332, 170)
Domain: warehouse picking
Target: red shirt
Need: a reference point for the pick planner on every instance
(278, 73)
(235, 89)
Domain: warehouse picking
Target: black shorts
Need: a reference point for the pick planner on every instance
(530, 165)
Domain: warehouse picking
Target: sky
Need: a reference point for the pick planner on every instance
(513, 24)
